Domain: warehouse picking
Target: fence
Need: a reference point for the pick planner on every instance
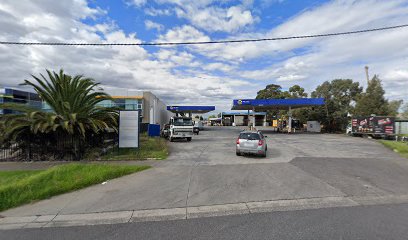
(57, 147)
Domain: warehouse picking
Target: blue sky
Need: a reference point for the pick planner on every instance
(131, 18)
(208, 74)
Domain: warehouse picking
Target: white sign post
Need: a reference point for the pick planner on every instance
(128, 129)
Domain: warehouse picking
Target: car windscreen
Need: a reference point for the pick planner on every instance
(249, 136)
(182, 122)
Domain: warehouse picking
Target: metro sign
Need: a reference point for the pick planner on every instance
(243, 102)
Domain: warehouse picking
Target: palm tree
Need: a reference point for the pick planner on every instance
(74, 109)
(74, 102)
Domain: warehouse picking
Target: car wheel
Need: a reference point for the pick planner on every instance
(188, 139)
(238, 153)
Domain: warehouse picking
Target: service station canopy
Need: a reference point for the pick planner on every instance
(275, 104)
(191, 109)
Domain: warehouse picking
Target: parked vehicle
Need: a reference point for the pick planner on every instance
(375, 126)
(181, 128)
(251, 142)
(199, 125)
(165, 132)
(196, 130)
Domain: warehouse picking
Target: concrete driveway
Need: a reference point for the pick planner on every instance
(207, 172)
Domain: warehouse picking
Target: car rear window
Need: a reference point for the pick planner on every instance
(249, 136)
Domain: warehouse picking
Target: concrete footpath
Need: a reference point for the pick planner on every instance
(65, 220)
(205, 178)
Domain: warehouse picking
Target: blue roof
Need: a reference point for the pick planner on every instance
(193, 109)
(265, 104)
(243, 113)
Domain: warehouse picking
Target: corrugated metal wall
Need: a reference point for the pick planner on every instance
(401, 127)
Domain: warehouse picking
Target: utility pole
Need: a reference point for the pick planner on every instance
(368, 78)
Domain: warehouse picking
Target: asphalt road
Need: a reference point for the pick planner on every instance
(362, 222)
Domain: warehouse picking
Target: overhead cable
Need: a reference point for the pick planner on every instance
(205, 42)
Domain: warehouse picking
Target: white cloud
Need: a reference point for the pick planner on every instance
(120, 67)
(290, 77)
(210, 15)
(217, 19)
(208, 74)
(153, 25)
(219, 66)
(396, 74)
(184, 33)
(177, 59)
(309, 62)
(327, 18)
(158, 12)
(137, 3)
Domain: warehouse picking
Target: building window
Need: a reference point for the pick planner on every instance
(125, 104)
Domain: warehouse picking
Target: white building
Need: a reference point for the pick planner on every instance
(152, 109)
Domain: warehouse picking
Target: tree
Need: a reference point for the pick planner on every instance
(297, 92)
(274, 91)
(404, 114)
(74, 109)
(271, 91)
(373, 100)
(339, 95)
(393, 107)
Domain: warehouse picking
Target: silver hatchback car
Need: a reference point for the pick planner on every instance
(251, 142)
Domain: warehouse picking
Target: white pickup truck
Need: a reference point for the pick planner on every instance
(181, 127)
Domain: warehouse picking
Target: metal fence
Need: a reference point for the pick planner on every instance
(57, 147)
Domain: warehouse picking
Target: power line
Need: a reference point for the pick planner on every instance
(204, 42)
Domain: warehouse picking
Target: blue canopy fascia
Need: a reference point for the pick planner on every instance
(192, 109)
(273, 104)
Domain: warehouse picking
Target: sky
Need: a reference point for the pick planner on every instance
(207, 74)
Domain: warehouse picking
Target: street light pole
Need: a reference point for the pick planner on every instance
(368, 78)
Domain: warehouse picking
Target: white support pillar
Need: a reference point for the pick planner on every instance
(248, 124)
(253, 117)
(290, 120)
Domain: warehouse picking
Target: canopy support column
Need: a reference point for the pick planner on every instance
(290, 120)
(249, 122)
(253, 118)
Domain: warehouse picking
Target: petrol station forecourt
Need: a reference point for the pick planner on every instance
(258, 105)
(205, 178)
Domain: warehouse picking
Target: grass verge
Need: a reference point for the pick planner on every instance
(399, 147)
(21, 187)
(150, 147)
